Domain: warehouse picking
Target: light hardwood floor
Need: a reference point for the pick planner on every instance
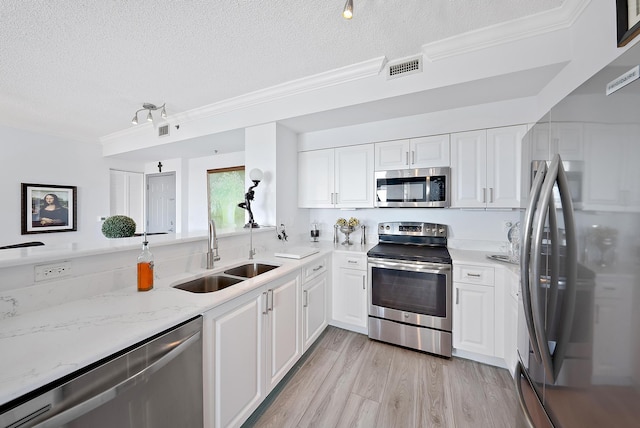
(347, 380)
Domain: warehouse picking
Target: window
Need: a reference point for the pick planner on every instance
(225, 191)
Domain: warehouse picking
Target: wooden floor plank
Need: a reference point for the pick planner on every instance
(372, 376)
(434, 407)
(292, 401)
(327, 404)
(348, 380)
(359, 412)
(398, 405)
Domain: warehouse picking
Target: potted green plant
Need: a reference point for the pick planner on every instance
(119, 226)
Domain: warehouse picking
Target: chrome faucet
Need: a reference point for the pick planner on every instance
(212, 252)
(252, 251)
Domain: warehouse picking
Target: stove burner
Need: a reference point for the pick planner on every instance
(412, 241)
(411, 253)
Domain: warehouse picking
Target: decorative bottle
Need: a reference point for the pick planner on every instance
(145, 268)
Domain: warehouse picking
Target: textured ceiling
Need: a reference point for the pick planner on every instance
(80, 68)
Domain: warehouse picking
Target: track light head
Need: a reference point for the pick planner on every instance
(347, 13)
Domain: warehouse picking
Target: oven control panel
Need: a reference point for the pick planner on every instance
(412, 228)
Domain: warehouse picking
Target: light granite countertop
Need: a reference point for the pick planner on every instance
(42, 346)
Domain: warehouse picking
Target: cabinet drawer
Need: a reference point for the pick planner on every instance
(314, 269)
(612, 290)
(351, 261)
(474, 274)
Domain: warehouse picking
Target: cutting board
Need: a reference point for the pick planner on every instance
(297, 252)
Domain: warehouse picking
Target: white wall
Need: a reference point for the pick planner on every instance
(474, 229)
(29, 157)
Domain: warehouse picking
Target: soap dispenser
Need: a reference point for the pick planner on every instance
(145, 267)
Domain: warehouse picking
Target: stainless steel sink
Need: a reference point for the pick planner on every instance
(208, 284)
(250, 270)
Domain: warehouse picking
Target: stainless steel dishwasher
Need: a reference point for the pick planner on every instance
(156, 383)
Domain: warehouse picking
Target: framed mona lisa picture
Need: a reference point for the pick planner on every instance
(48, 208)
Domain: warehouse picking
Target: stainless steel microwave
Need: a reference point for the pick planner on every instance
(413, 188)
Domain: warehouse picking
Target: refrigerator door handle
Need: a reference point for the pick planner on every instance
(525, 258)
(571, 269)
(539, 218)
(523, 406)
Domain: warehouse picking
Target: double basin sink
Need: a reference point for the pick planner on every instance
(229, 277)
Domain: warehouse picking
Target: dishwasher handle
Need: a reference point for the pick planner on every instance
(86, 406)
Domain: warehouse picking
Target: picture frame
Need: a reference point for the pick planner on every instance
(627, 21)
(49, 208)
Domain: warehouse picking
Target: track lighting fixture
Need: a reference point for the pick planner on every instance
(347, 13)
(150, 107)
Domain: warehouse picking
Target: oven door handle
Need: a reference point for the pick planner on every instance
(435, 268)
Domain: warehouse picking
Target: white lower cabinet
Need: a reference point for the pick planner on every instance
(474, 309)
(473, 318)
(349, 292)
(250, 344)
(613, 321)
(314, 302)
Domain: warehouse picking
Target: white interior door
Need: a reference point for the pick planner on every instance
(161, 202)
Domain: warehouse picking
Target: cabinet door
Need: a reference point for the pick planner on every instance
(350, 298)
(473, 318)
(392, 155)
(429, 152)
(504, 149)
(316, 179)
(612, 331)
(314, 302)
(469, 169)
(283, 347)
(238, 361)
(354, 176)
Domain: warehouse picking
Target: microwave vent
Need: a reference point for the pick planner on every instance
(407, 67)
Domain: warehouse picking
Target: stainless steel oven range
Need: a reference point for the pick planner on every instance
(410, 287)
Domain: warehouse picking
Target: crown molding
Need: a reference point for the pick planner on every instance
(361, 70)
(548, 21)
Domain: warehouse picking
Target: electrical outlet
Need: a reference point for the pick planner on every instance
(506, 225)
(52, 271)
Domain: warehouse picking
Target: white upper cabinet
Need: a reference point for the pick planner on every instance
(316, 179)
(422, 152)
(565, 138)
(486, 167)
(336, 178)
(611, 185)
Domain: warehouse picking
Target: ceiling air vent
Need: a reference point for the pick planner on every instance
(407, 67)
(163, 130)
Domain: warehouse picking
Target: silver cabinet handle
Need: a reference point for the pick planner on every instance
(305, 294)
(484, 195)
(118, 389)
(352, 261)
(490, 194)
(475, 275)
(364, 285)
(457, 296)
(270, 293)
(266, 303)
(413, 157)
(406, 158)
(318, 268)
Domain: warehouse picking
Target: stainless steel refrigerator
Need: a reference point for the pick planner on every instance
(579, 309)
